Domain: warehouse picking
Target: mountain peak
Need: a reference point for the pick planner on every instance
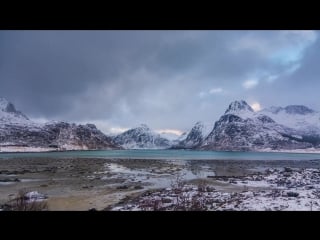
(8, 111)
(141, 137)
(273, 109)
(237, 106)
(4, 104)
(298, 109)
(199, 124)
(144, 127)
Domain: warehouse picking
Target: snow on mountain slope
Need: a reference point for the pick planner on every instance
(141, 137)
(195, 137)
(242, 129)
(170, 136)
(290, 128)
(9, 114)
(298, 117)
(19, 134)
(240, 108)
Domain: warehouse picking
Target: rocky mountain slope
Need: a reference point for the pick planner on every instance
(242, 129)
(194, 138)
(18, 133)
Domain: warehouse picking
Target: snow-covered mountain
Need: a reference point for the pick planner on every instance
(141, 137)
(195, 137)
(301, 118)
(9, 114)
(294, 127)
(18, 133)
(242, 129)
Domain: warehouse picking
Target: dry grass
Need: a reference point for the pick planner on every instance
(22, 203)
(182, 201)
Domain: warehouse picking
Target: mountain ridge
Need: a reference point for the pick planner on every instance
(19, 133)
(240, 128)
(141, 137)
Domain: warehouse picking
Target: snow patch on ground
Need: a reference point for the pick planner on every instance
(274, 190)
(306, 150)
(35, 196)
(25, 149)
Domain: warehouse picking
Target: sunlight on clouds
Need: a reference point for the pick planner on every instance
(40, 120)
(290, 70)
(251, 83)
(172, 131)
(256, 106)
(272, 78)
(215, 90)
(293, 68)
(117, 130)
(283, 47)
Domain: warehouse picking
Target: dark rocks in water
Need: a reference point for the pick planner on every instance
(287, 169)
(166, 200)
(210, 189)
(6, 207)
(123, 187)
(10, 180)
(292, 194)
(138, 187)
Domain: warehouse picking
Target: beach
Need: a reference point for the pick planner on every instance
(97, 183)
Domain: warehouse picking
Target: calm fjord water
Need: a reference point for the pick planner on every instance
(168, 154)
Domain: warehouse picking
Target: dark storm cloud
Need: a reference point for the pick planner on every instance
(167, 79)
(45, 70)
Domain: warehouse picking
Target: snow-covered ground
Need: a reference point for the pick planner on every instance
(65, 147)
(307, 150)
(25, 149)
(35, 196)
(274, 190)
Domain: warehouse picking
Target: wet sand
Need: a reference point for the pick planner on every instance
(83, 184)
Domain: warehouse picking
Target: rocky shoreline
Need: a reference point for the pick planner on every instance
(274, 190)
(124, 184)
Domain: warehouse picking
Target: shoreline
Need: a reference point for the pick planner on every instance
(86, 183)
(48, 150)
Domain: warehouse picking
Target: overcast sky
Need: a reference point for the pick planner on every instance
(166, 79)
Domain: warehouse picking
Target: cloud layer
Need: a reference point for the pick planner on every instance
(166, 79)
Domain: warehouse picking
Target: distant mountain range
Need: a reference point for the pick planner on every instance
(295, 127)
(141, 137)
